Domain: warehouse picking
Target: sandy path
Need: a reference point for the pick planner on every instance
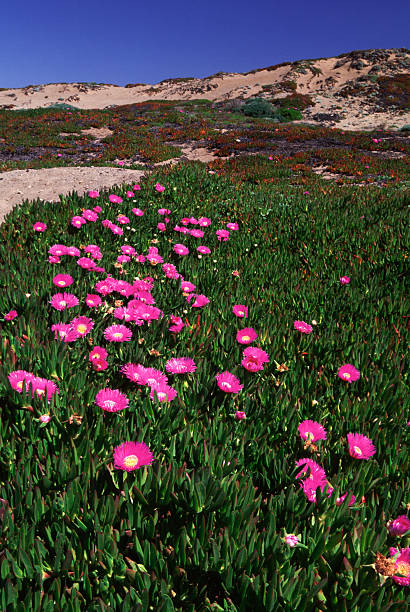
(48, 183)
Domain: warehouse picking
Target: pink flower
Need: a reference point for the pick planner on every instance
(204, 250)
(402, 561)
(130, 194)
(360, 447)
(63, 280)
(120, 163)
(19, 379)
(240, 415)
(163, 211)
(111, 400)
(311, 431)
(136, 187)
(163, 392)
(180, 249)
(97, 209)
(240, 310)
(344, 280)
(82, 326)
(92, 300)
(180, 365)
(12, 314)
(73, 251)
(128, 250)
(204, 221)
(98, 352)
(90, 215)
(61, 331)
(77, 221)
(159, 187)
(228, 382)
(137, 212)
(177, 324)
(196, 233)
(222, 235)
(58, 249)
(348, 373)
(246, 335)
(114, 199)
(93, 194)
(61, 301)
(123, 258)
(161, 227)
(131, 456)
(303, 327)
(291, 539)
(399, 526)
(39, 227)
(254, 358)
(44, 388)
(99, 364)
(117, 333)
(122, 219)
(45, 418)
(200, 300)
(153, 377)
(53, 259)
(232, 226)
(187, 287)
(134, 372)
(86, 263)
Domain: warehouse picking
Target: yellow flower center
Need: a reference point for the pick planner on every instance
(357, 450)
(309, 436)
(20, 385)
(40, 391)
(346, 375)
(246, 338)
(117, 335)
(61, 282)
(81, 328)
(403, 569)
(131, 461)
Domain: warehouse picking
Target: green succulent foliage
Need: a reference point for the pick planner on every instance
(203, 527)
(258, 107)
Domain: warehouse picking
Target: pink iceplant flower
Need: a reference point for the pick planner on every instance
(93, 194)
(63, 280)
(204, 250)
(311, 431)
(222, 235)
(12, 314)
(291, 539)
(360, 447)
(180, 249)
(114, 199)
(348, 373)
(39, 226)
(246, 335)
(180, 365)
(344, 280)
(61, 301)
(130, 456)
(303, 327)
(111, 400)
(240, 310)
(228, 382)
(117, 333)
(159, 188)
(240, 415)
(399, 526)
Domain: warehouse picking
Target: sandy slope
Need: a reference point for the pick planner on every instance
(322, 79)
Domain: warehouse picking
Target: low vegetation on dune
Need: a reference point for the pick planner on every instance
(203, 375)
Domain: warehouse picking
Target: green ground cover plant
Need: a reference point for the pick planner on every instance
(203, 378)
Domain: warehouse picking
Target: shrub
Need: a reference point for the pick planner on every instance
(257, 107)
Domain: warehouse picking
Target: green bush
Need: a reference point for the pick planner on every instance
(257, 107)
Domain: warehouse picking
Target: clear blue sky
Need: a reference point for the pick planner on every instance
(130, 41)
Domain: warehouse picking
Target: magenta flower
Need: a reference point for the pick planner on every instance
(254, 358)
(82, 326)
(246, 335)
(99, 364)
(93, 300)
(163, 392)
(97, 209)
(39, 227)
(90, 215)
(20, 378)
(240, 415)
(63, 280)
(153, 377)
(360, 447)
(73, 251)
(232, 226)
(93, 194)
(137, 212)
(122, 219)
(399, 526)
(58, 250)
(114, 199)
(128, 250)
(200, 300)
(402, 566)
(131, 456)
(97, 352)
(303, 327)
(44, 418)
(340, 500)
(159, 188)
(344, 280)
(222, 235)
(180, 249)
(134, 372)
(77, 221)
(53, 259)
(228, 382)
(187, 287)
(240, 310)
(348, 373)
(177, 324)
(311, 431)
(61, 331)
(61, 301)
(291, 540)
(86, 263)
(117, 333)
(111, 400)
(180, 365)
(204, 221)
(196, 233)
(12, 314)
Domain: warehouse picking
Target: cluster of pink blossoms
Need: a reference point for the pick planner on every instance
(42, 387)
